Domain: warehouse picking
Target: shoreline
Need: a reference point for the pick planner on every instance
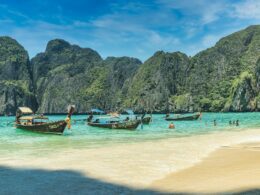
(142, 165)
(230, 169)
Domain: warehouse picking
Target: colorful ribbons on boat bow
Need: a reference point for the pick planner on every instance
(68, 122)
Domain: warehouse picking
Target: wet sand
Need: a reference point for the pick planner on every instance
(229, 169)
(177, 164)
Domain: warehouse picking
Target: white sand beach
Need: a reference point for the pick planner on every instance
(201, 163)
(230, 169)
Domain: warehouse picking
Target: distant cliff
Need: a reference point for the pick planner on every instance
(67, 74)
(222, 78)
(16, 87)
(225, 77)
(160, 77)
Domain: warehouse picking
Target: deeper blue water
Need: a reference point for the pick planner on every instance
(83, 136)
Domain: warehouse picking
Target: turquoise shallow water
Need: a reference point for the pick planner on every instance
(13, 140)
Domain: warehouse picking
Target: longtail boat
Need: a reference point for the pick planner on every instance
(146, 120)
(115, 124)
(183, 117)
(40, 123)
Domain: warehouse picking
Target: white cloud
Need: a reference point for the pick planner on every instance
(36, 34)
(135, 28)
(4, 8)
(210, 40)
(248, 9)
(202, 10)
(157, 40)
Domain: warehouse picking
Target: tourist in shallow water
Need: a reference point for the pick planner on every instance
(171, 126)
(237, 122)
(230, 122)
(215, 122)
(89, 119)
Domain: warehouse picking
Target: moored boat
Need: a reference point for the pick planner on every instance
(129, 125)
(146, 120)
(178, 117)
(115, 124)
(40, 123)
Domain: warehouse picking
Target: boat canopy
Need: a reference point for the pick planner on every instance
(129, 111)
(97, 111)
(25, 110)
(33, 117)
(114, 114)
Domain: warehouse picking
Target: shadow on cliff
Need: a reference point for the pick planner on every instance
(37, 181)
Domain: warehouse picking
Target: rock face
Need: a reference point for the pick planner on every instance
(156, 80)
(257, 75)
(110, 83)
(15, 77)
(243, 94)
(214, 70)
(67, 74)
(204, 82)
(60, 74)
(225, 77)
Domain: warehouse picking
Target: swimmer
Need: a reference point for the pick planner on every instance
(171, 126)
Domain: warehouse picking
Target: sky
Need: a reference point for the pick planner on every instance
(136, 28)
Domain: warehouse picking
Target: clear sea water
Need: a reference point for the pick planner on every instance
(81, 135)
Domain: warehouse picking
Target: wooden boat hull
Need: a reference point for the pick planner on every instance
(56, 127)
(129, 125)
(101, 125)
(146, 120)
(184, 118)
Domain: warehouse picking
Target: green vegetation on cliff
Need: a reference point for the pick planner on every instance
(225, 77)
(156, 80)
(214, 70)
(15, 77)
(67, 74)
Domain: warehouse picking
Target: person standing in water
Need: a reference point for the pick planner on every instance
(200, 117)
(237, 122)
(89, 119)
(215, 122)
(171, 126)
